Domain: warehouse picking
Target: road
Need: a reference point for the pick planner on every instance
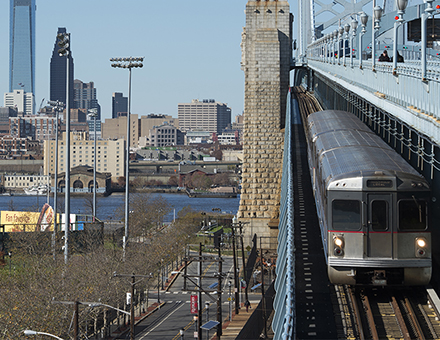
(175, 315)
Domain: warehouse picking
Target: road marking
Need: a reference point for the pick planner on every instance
(144, 337)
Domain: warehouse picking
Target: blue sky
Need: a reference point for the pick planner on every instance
(191, 49)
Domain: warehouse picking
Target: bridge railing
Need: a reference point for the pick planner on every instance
(283, 323)
(402, 93)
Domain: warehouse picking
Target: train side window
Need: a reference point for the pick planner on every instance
(412, 215)
(346, 215)
(379, 215)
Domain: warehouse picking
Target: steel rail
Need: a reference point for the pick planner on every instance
(370, 318)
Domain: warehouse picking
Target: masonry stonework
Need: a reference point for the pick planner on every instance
(266, 54)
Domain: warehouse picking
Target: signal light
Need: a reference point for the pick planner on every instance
(438, 6)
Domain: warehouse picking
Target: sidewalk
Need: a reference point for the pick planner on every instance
(232, 328)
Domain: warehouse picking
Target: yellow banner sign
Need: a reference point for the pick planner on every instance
(19, 221)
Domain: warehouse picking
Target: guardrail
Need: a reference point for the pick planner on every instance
(284, 322)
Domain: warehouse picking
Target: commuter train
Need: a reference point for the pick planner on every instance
(372, 205)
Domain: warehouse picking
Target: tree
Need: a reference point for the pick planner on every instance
(173, 181)
(221, 179)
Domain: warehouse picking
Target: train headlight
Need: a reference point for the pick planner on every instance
(338, 245)
(421, 247)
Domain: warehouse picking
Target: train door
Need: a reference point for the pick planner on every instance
(379, 226)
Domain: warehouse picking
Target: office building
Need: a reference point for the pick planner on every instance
(207, 115)
(58, 74)
(117, 128)
(21, 101)
(165, 135)
(5, 113)
(119, 105)
(152, 120)
(84, 97)
(22, 46)
(110, 154)
(35, 127)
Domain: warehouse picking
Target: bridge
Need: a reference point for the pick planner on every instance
(337, 45)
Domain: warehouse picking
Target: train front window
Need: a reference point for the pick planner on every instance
(412, 214)
(379, 215)
(346, 215)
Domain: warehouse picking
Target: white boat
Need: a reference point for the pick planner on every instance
(36, 190)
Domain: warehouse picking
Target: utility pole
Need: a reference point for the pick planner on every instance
(237, 302)
(219, 294)
(199, 305)
(199, 289)
(132, 283)
(240, 224)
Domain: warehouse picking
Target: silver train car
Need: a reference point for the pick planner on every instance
(372, 205)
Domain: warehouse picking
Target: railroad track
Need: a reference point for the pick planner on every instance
(388, 313)
(306, 101)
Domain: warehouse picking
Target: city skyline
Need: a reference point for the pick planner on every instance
(191, 49)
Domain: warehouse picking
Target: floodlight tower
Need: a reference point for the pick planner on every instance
(129, 63)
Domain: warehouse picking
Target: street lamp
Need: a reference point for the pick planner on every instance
(377, 14)
(30, 332)
(364, 21)
(64, 51)
(346, 29)
(130, 62)
(340, 40)
(354, 25)
(93, 113)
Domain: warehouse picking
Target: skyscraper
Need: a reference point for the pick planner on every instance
(22, 46)
(84, 96)
(58, 74)
(119, 105)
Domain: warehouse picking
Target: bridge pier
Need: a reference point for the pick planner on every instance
(266, 56)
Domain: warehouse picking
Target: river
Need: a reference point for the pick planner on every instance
(109, 208)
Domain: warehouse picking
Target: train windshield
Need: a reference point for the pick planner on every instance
(346, 215)
(412, 214)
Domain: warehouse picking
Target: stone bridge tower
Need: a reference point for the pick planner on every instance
(266, 56)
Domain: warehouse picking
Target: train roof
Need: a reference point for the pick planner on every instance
(346, 148)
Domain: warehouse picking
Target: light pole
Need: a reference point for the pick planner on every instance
(424, 17)
(64, 44)
(364, 21)
(129, 63)
(354, 25)
(377, 14)
(346, 29)
(93, 113)
(57, 107)
(401, 5)
(30, 332)
(340, 40)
